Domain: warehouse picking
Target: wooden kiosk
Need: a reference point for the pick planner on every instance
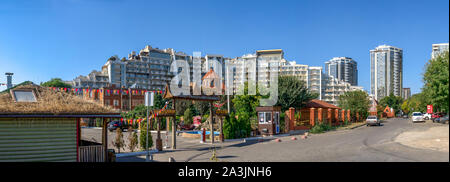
(269, 120)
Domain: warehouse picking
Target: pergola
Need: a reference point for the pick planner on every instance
(207, 98)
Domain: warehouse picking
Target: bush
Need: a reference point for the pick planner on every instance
(321, 127)
(118, 142)
(133, 139)
(143, 137)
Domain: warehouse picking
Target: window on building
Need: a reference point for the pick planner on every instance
(116, 102)
(24, 96)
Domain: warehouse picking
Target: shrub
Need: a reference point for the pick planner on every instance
(133, 139)
(320, 128)
(143, 137)
(118, 142)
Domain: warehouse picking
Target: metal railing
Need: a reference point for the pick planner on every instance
(93, 153)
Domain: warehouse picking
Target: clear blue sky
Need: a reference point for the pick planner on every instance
(43, 39)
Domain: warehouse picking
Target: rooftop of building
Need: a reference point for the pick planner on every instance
(50, 102)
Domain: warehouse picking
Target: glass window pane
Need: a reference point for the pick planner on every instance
(24, 96)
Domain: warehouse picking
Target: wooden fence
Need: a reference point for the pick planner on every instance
(92, 153)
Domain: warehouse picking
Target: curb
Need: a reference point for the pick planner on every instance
(357, 126)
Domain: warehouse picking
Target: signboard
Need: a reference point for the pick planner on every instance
(221, 112)
(149, 98)
(430, 109)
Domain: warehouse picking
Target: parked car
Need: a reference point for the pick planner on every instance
(436, 115)
(427, 116)
(373, 120)
(417, 117)
(115, 125)
(443, 119)
(405, 116)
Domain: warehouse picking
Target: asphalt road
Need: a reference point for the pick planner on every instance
(363, 144)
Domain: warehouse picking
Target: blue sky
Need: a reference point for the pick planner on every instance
(44, 39)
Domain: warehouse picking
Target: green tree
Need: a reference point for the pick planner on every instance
(56, 82)
(405, 107)
(357, 101)
(292, 92)
(392, 101)
(118, 141)
(188, 114)
(143, 137)
(418, 102)
(436, 82)
(132, 140)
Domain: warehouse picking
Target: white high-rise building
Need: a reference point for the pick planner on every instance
(438, 49)
(386, 71)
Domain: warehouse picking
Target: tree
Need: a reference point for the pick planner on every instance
(405, 107)
(140, 111)
(292, 92)
(133, 140)
(118, 142)
(143, 137)
(188, 114)
(392, 101)
(418, 102)
(436, 81)
(56, 82)
(357, 101)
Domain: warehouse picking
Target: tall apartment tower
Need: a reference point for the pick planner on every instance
(386, 71)
(406, 93)
(438, 49)
(343, 68)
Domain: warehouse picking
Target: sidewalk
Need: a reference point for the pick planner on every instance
(434, 138)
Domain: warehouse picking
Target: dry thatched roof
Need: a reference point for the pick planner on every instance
(51, 102)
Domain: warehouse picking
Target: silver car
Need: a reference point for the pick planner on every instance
(373, 120)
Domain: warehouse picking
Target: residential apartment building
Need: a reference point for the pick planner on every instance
(343, 68)
(334, 88)
(438, 49)
(150, 69)
(326, 86)
(259, 67)
(406, 93)
(386, 71)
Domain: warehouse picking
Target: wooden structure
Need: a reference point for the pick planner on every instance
(174, 98)
(45, 126)
(168, 113)
(268, 120)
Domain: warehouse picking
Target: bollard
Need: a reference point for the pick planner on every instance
(203, 136)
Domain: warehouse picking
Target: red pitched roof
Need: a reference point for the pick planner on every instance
(321, 104)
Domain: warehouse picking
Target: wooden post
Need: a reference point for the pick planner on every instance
(78, 139)
(211, 134)
(221, 129)
(174, 128)
(105, 139)
(158, 136)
